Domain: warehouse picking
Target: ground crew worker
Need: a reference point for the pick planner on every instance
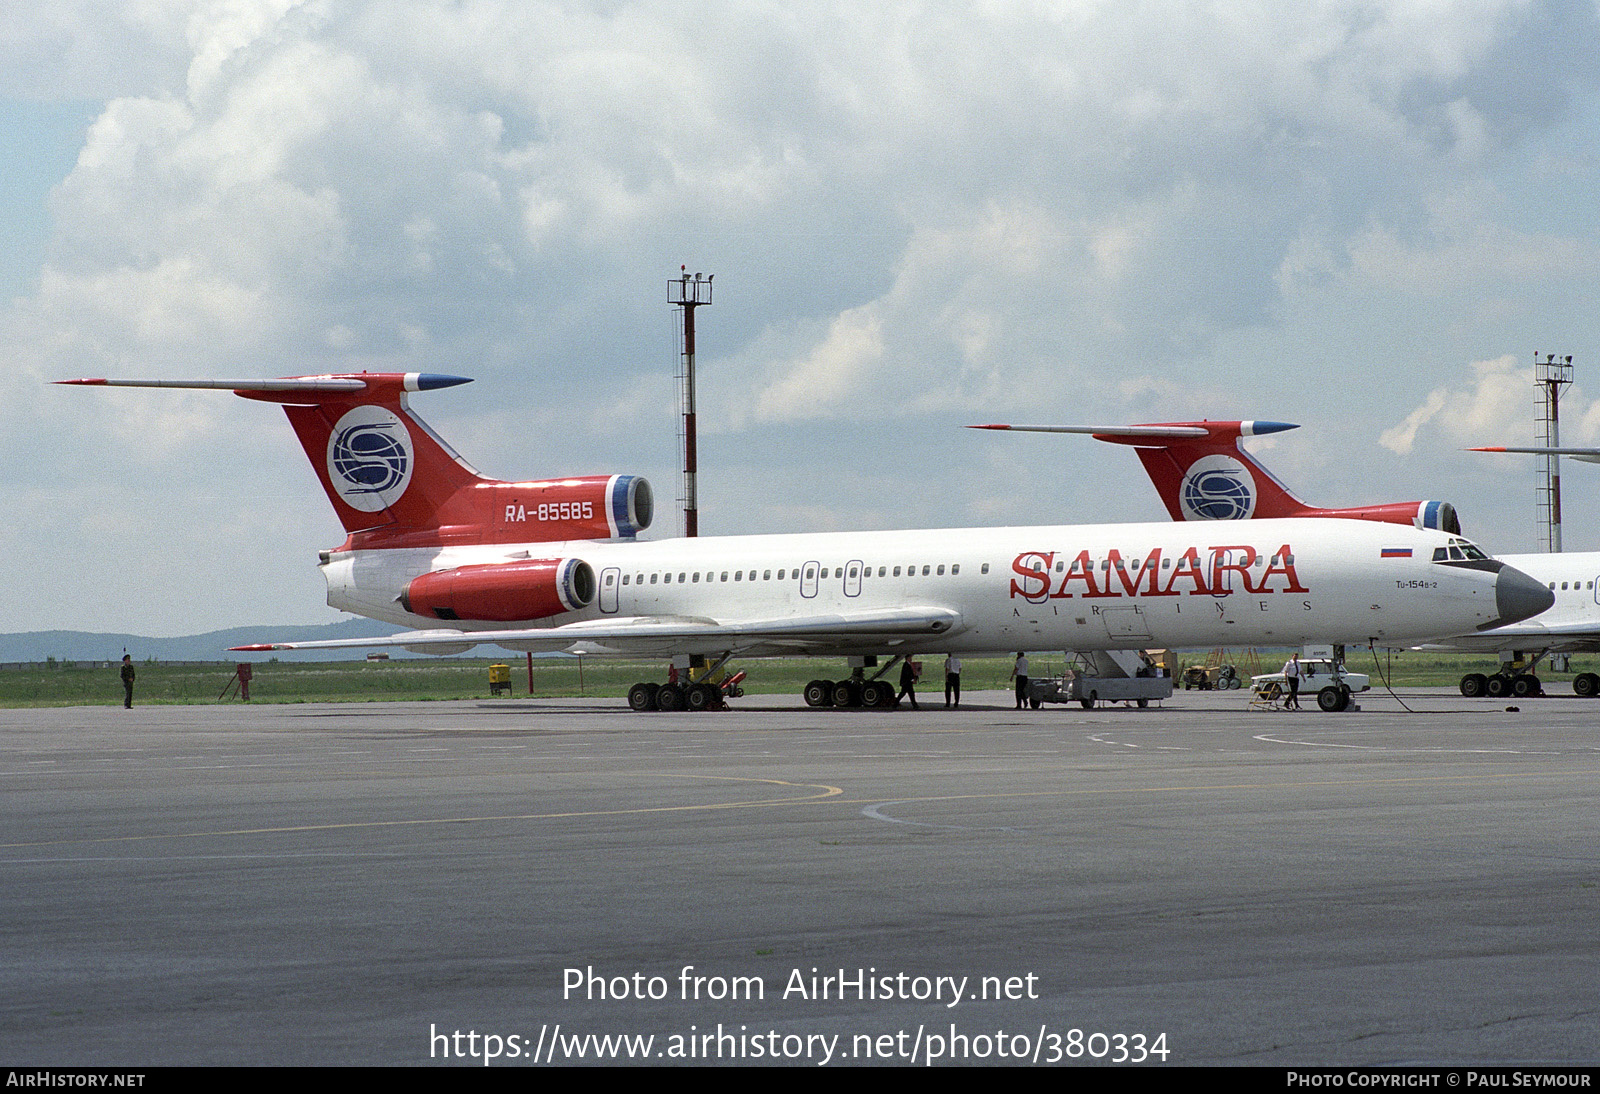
(1019, 672)
(952, 680)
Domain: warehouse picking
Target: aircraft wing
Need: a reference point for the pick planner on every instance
(865, 631)
(1575, 637)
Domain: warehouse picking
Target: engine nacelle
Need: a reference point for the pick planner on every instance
(550, 510)
(1440, 515)
(502, 592)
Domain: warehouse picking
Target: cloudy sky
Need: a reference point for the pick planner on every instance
(1365, 216)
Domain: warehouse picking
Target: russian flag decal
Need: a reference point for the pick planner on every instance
(1395, 552)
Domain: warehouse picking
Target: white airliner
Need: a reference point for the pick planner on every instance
(555, 565)
(1202, 472)
(1571, 626)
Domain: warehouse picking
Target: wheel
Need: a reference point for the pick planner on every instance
(669, 697)
(876, 693)
(819, 693)
(1087, 702)
(846, 693)
(1272, 692)
(1331, 700)
(1474, 684)
(1498, 686)
(1586, 684)
(1524, 684)
(642, 697)
(1143, 703)
(1235, 684)
(701, 697)
(1035, 703)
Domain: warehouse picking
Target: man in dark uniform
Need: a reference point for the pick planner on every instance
(127, 681)
(908, 681)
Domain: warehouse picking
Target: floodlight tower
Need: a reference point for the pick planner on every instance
(1550, 376)
(688, 293)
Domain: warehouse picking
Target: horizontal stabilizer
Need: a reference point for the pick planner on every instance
(1587, 455)
(414, 381)
(1169, 431)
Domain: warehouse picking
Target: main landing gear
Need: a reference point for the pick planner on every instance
(707, 688)
(857, 690)
(851, 693)
(1522, 685)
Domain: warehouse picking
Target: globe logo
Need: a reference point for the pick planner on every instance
(1217, 488)
(369, 458)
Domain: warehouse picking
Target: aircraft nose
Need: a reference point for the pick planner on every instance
(1518, 596)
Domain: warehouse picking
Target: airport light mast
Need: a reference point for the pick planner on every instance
(1551, 375)
(689, 293)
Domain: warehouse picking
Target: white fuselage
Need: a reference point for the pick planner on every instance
(1265, 582)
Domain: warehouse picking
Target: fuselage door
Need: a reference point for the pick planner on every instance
(852, 578)
(610, 579)
(1123, 624)
(808, 579)
(1225, 563)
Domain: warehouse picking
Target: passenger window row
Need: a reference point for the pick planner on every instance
(694, 577)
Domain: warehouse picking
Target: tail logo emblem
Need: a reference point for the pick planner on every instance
(370, 458)
(1217, 488)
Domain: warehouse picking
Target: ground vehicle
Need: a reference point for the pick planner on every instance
(1106, 676)
(1220, 678)
(1322, 676)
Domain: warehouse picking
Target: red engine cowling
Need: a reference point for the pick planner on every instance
(1440, 515)
(551, 510)
(502, 592)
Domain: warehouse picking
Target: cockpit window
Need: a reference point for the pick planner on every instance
(1460, 550)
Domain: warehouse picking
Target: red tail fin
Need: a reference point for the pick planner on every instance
(1211, 476)
(1202, 472)
(396, 483)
